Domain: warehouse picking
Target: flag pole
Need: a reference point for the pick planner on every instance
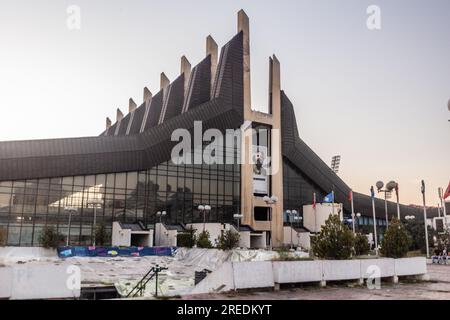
(315, 213)
(332, 203)
(353, 211)
(372, 195)
(441, 197)
(425, 218)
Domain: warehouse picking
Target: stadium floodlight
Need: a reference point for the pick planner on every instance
(335, 163)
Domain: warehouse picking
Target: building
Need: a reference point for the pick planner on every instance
(127, 173)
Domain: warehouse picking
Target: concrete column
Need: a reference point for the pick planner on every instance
(247, 198)
(165, 82)
(186, 70)
(131, 105)
(108, 123)
(277, 162)
(212, 49)
(147, 95)
(119, 115)
(244, 26)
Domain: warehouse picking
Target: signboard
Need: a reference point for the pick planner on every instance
(260, 179)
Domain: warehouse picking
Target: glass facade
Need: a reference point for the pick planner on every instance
(27, 206)
(297, 190)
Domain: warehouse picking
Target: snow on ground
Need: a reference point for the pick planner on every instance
(125, 272)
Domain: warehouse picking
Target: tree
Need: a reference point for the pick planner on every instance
(101, 234)
(362, 246)
(335, 241)
(396, 241)
(2, 236)
(203, 240)
(228, 240)
(416, 231)
(49, 238)
(187, 239)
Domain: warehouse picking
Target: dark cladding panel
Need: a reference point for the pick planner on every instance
(200, 85)
(155, 111)
(124, 125)
(137, 120)
(175, 99)
(230, 74)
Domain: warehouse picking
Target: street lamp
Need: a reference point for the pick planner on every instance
(358, 215)
(390, 186)
(70, 210)
(270, 201)
(94, 204)
(292, 215)
(204, 209)
(160, 215)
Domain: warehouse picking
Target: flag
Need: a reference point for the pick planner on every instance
(350, 195)
(314, 201)
(447, 192)
(423, 187)
(329, 198)
(372, 193)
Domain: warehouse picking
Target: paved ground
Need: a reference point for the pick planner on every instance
(437, 288)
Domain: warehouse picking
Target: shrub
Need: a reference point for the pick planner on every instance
(203, 240)
(2, 236)
(362, 246)
(416, 231)
(396, 240)
(187, 239)
(49, 238)
(228, 240)
(335, 241)
(102, 236)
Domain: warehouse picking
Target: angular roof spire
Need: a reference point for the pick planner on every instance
(131, 105)
(186, 69)
(108, 123)
(119, 115)
(244, 27)
(147, 95)
(212, 49)
(165, 82)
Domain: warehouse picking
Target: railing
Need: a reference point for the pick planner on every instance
(141, 285)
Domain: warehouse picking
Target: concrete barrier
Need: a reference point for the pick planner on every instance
(42, 282)
(385, 265)
(6, 277)
(297, 271)
(221, 280)
(250, 275)
(263, 274)
(341, 270)
(410, 266)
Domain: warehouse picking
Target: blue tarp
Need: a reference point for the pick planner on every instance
(91, 251)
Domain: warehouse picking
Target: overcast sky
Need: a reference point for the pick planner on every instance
(377, 98)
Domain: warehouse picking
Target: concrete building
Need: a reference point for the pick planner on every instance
(128, 173)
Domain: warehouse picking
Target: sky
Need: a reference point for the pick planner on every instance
(378, 98)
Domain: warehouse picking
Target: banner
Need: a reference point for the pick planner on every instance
(91, 251)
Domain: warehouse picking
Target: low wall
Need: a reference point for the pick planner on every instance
(263, 274)
(39, 282)
(16, 254)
